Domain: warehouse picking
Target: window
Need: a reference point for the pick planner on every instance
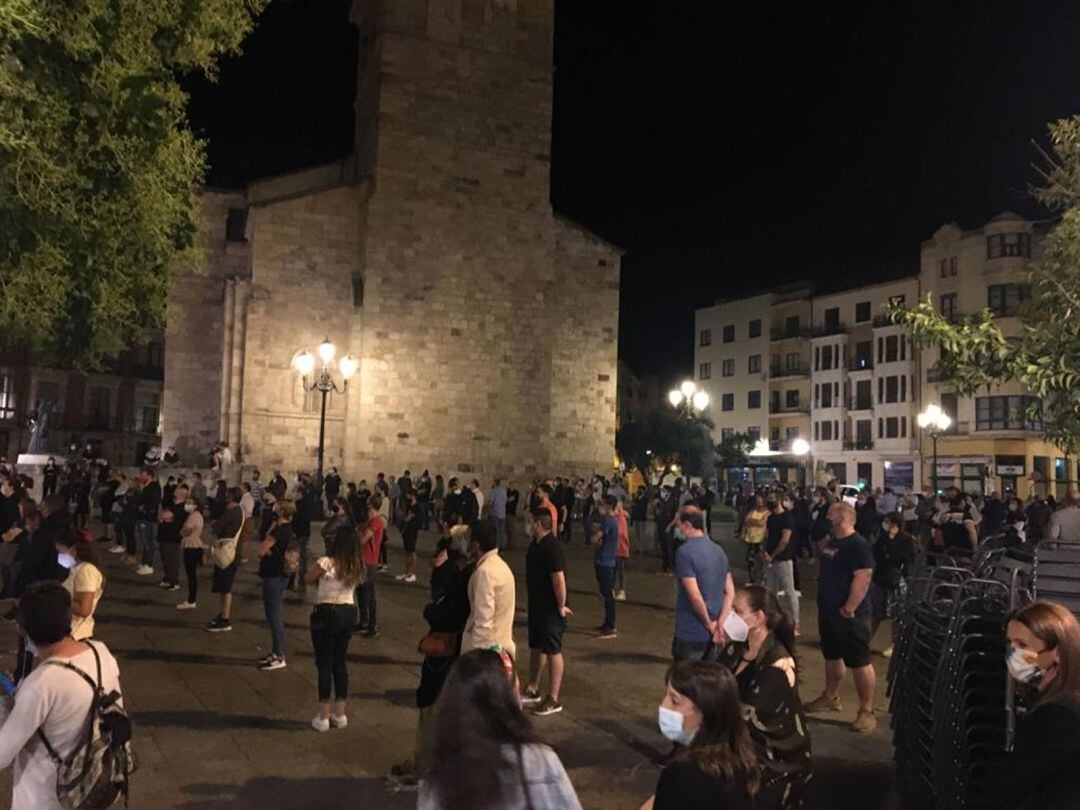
(791, 326)
(817, 433)
(774, 435)
(791, 362)
(7, 394)
(729, 333)
(862, 311)
(880, 428)
(236, 225)
(944, 268)
(903, 347)
(826, 431)
(1005, 299)
(726, 434)
(903, 427)
(892, 428)
(48, 391)
(863, 434)
(826, 358)
(948, 306)
(791, 398)
(155, 354)
(864, 354)
(753, 364)
(727, 368)
(357, 290)
(1005, 413)
(897, 300)
(753, 399)
(864, 396)
(705, 338)
(727, 402)
(1008, 244)
(753, 433)
(832, 318)
(148, 422)
(952, 265)
(97, 408)
(949, 405)
(892, 343)
(826, 396)
(791, 434)
(754, 329)
(892, 389)
(903, 388)
(817, 358)
(704, 371)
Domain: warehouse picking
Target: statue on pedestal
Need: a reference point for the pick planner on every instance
(38, 425)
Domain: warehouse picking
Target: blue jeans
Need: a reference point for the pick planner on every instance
(146, 538)
(605, 578)
(273, 593)
(500, 533)
(683, 650)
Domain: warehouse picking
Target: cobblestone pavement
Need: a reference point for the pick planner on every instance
(214, 732)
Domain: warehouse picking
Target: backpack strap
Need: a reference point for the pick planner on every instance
(95, 694)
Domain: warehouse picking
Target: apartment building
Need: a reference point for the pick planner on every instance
(864, 382)
(752, 357)
(991, 444)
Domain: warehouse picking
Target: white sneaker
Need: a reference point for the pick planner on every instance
(144, 570)
(887, 652)
(410, 578)
(400, 577)
(117, 550)
(620, 596)
(339, 721)
(320, 723)
(186, 606)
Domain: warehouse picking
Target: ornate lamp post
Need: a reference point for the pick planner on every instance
(801, 448)
(935, 422)
(688, 399)
(324, 383)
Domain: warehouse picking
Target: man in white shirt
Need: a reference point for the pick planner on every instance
(491, 595)
(478, 493)
(51, 698)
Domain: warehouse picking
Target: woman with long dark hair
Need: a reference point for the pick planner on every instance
(767, 674)
(718, 768)
(85, 581)
(1043, 770)
(332, 621)
(480, 750)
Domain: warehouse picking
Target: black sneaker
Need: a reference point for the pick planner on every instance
(265, 659)
(219, 625)
(371, 632)
(548, 705)
(360, 629)
(275, 662)
(530, 698)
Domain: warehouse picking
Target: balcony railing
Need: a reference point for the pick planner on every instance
(882, 321)
(777, 408)
(783, 333)
(858, 444)
(826, 330)
(856, 404)
(860, 363)
(778, 371)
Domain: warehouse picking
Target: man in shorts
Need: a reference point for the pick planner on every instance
(226, 527)
(545, 580)
(410, 529)
(847, 564)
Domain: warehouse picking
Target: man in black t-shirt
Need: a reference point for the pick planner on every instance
(779, 556)
(847, 564)
(171, 517)
(545, 581)
(410, 528)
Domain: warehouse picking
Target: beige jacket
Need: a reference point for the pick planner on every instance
(491, 603)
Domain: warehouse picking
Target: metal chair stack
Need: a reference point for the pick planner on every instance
(947, 681)
(1057, 573)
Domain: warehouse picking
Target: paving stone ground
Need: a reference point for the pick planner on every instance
(214, 732)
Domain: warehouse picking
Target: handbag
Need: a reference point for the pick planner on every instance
(438, 645)
(224, 550)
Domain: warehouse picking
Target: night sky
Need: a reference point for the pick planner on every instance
(725, 149)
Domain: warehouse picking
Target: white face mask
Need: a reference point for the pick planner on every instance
(735, 628)
(189, 507)
(671, 726)
(1022, 666)
(66, 560)
(31, 648)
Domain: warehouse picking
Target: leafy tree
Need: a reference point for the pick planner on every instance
(98, 170)
(664, 437)
(1044, 356)
(731, 452)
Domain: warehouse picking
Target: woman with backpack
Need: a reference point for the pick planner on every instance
(277, 565)
(332, 621)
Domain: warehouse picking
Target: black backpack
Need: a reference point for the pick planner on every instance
(95, 774)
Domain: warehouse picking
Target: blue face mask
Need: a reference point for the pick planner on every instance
(678, 533)
(463, 546)
(671, 726)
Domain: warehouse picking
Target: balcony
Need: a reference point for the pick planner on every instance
(776, 409)
(827, 330)
(858, 444)
(783, 333)
(860, 364)
(881, 321)
(935, 375)
(856, 404)
(778, 372)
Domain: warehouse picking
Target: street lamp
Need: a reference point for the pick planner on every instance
(801, 447)
(935, 422)
(324, 383)
(688, 398)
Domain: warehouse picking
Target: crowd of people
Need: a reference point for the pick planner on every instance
(730, 702)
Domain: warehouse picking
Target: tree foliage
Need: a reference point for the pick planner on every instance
(98, 170)
(731, 452)
(1044, 356)
(663, 437)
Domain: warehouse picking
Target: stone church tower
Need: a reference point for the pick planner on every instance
(485, 324)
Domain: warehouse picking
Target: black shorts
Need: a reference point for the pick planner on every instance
(410, 543)
(845, 639)
(546, 634)
(223, 578)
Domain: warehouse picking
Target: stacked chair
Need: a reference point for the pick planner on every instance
(950, 699)
(1057, 573)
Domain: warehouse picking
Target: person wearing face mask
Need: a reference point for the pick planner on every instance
(171, 516)
(754, 533)
(847, 563)
(779, 556)
(664, 508)
(894, 551)
(271, 552)
(705, 590)
(606, 539)
(718, 767)
(372, 536)
(453, 503)
(193, 549)
(85, 581)
(1043, 770)
(766, 670)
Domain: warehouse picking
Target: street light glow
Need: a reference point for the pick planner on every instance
(348, 365)
(700, 401)
(934, 418)
(304, 363)
(800, 447)
(688, 388)
(675, 397)
(327, 350)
